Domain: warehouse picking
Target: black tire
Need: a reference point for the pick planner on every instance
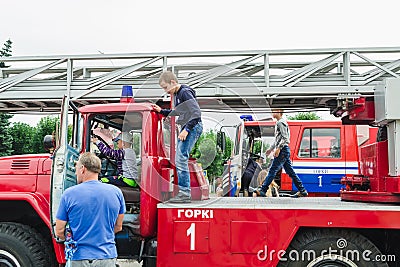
(342, 245)
(21, 245)
(150, 259)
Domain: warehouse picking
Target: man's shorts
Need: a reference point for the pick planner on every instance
(94, 263)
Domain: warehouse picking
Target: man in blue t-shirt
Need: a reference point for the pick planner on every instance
(94, 212)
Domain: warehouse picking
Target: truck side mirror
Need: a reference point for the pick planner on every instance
(221, 141)
(48, 143)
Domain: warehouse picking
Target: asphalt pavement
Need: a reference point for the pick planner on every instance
(128, 263)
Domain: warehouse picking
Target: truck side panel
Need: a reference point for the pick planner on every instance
(29, 180)
(331, 155)
(18, 174)
(227, 232)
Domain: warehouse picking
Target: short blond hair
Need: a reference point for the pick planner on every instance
(90, 161)
(167, 77)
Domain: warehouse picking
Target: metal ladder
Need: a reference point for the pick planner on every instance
(292, 79)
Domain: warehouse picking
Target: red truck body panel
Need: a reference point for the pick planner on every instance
(231, 232)
(373, 168)
(27, 178)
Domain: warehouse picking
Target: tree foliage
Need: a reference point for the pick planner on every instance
(207, 154)
(29, 140)
(305, 116)
(136, 143)
(22, 134)
(46, 125)
(5, 51)
(257, 147)
(5, 136)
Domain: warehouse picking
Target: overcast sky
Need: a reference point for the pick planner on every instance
(45, 27)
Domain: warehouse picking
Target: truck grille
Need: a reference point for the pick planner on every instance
(20, 164)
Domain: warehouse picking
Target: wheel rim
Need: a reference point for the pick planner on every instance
(332, 261)
(8, 260)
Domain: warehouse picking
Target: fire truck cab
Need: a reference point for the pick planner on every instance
(153, 142)
(322, 152)
(34, 183)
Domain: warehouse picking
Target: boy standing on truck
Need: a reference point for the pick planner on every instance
(281, 157)
(190, 129)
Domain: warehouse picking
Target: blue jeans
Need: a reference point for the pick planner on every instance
(182, 158)
(283, 160)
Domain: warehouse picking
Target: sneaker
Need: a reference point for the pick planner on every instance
(259, 192)
(300, 194)
(181, 198)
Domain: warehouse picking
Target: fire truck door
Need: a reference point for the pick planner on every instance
(65, 157)
(236, 167)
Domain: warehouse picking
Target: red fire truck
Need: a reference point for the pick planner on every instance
(314, 231)
(322, 152)
(31, 185)
(363, 230)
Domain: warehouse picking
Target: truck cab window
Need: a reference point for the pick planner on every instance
(75, 131)
(320, 143)
(108, 126)
(166, 130)
(267, 140)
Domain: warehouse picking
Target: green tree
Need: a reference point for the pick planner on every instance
(206, 153)
(23, 135)
(29, 140)
(5, 136)
(305, 116)
(46, 125)
(257, 147)
(136, 143)
(5, 51)
(228, 149)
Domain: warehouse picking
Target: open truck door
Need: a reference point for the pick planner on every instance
(65, 156)
(231, 180)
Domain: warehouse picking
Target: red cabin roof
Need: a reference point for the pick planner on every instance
(116, 107)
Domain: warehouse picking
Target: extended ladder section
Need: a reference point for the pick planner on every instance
(292, 79)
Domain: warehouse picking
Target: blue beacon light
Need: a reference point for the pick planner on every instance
(127, 94)
(246, 117)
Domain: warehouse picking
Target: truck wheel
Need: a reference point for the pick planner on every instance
(21, 245)
(333, 247)
(151, 250)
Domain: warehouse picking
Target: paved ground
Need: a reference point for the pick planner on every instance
(127, 263)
